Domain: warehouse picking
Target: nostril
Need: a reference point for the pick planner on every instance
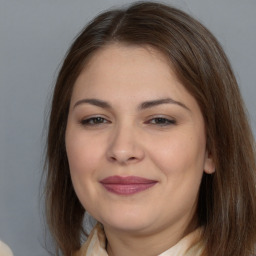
(122, 160)
(112, 158)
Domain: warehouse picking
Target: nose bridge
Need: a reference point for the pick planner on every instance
(124, 145)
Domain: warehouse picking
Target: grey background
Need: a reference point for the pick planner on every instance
(34, 36)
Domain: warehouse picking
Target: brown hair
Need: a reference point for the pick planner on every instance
(227, 199)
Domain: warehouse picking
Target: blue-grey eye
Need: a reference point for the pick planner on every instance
(162, 121)
(94, 121)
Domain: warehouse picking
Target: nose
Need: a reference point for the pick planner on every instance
(125, 147)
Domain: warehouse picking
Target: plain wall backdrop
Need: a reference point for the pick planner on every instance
(34, 36)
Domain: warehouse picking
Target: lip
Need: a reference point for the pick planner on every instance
(128, 185)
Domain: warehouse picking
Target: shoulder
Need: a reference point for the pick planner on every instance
(5, 250)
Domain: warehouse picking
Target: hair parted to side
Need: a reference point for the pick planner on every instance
(227, 199)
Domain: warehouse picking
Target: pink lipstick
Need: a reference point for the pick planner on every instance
(127, 185)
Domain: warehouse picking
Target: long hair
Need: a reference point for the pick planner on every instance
(227, 198)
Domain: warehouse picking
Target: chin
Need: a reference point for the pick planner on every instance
(128, 227)
(128, 221)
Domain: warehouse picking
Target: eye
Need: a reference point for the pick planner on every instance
(161, 121)
(97, 120)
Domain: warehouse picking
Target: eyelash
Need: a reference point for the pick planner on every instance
(98, 120)
(93, 121)
(162, 121)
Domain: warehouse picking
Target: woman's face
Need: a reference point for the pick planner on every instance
(135, 142)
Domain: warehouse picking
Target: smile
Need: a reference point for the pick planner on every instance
(127, 185)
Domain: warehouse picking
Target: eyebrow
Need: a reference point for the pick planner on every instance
(153, 103)
(142, 106)
(95, 102)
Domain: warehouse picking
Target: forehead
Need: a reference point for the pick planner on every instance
(129, 50)
(119, 66)
(134, 58)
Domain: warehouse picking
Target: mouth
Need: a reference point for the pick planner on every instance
(127, 185)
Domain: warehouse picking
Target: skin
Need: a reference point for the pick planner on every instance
(163, 142)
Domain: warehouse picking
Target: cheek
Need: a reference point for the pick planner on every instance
(83, 153)
(83, 157)
(179, 154)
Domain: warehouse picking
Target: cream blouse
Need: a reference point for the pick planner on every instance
(5, 250)
(95, 245)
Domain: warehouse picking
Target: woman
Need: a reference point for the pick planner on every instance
(148, 134)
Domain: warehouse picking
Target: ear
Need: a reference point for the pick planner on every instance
(209, 165)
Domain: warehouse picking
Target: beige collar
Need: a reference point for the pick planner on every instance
(190, 245)
(5, 250)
